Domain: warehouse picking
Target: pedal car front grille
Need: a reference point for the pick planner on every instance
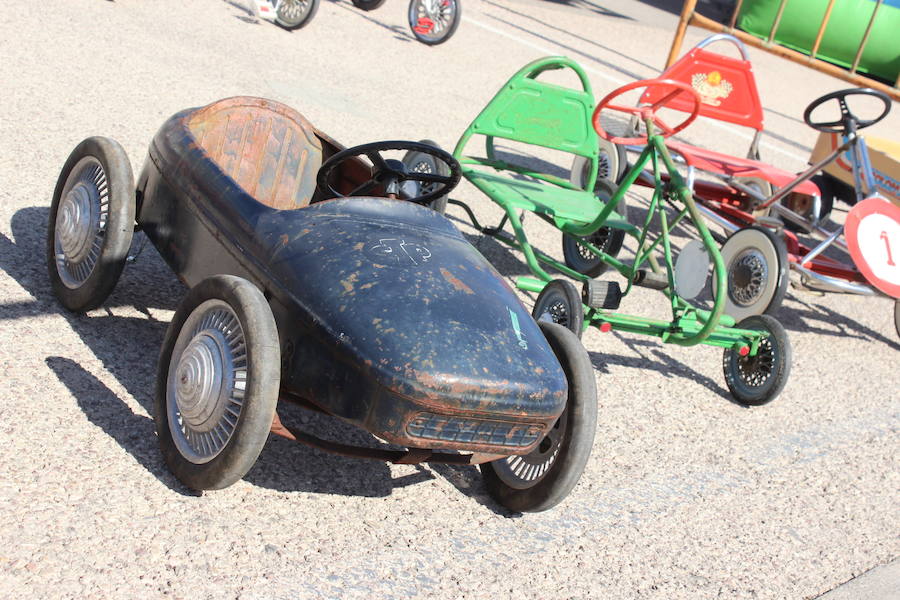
(473, 431)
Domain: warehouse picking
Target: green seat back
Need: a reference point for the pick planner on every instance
(544, 114)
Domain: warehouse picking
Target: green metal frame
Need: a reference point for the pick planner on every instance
(533, 112)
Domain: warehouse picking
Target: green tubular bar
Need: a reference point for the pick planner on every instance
(723, 337)
(542, 114)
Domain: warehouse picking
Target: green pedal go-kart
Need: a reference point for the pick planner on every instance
(531, 112)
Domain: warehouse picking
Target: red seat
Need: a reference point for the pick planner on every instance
(732, 166)
(728, 93)
(726, 87)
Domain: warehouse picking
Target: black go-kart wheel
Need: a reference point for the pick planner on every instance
(559, 302)
(897, 316)
(368, 4)
(756, 263)
(91, 223)
(803, 204)
(756, 380)
(416, 161)
(612, 162)
(544, 477)
(433, 22)
(294, 14)
(217, 383)
(609, 240)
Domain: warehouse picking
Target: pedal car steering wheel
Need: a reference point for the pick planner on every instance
(843, 125)
(390, 174)
(647, 111)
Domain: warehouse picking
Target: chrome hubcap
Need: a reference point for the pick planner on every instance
(207, 380)
(292, 10)
(433, 16)
(81, 219)
(748, 274)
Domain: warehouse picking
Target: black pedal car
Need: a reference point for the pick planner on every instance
(307, 286)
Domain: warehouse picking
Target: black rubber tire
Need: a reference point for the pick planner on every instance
(840, 191)
(827, 194)
(776, 350)
(772, 248)
(580, 422)
(116, 234)
(413, 158)
(559, 302)
(897, 316)
(612, 163)
(368, 4)
(412, 13)
(608, 240)
(260, 397)
(300, 21)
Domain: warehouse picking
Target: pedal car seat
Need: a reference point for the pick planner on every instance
(732, 166)
(728, 93)
(269, 149)
(542, 114)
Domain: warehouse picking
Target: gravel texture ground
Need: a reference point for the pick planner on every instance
(687, 494)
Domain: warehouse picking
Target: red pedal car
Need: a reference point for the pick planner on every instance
(766, 207)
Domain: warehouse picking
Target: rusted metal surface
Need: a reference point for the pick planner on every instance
(269, 149)
(388, 318)
(412, 456)
(395, 287)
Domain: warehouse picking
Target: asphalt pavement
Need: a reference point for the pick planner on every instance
(686, 495)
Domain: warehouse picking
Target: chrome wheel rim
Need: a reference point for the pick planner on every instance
(557, 310)
(604, 165)
(81, 218)
(598, 239)
(432, 17)
(747, 274)
(206, 382)
(524, 471)
(292, 11)
(755, 371)
(423, 163)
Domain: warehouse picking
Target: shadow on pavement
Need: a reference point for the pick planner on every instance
(401, 32)
(819, 319)
(468, 481)
(134, 433)
(128, 348)
(289, 466)
(657, 360)
(572, 50)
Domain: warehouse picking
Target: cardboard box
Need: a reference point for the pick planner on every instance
(883, 154)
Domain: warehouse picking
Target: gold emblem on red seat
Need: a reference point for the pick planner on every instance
(711, 87)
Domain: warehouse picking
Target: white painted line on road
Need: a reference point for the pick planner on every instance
(730, 129)
(539, 48)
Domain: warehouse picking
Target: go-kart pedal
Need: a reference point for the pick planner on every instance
(649, 279)
(601, 294)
